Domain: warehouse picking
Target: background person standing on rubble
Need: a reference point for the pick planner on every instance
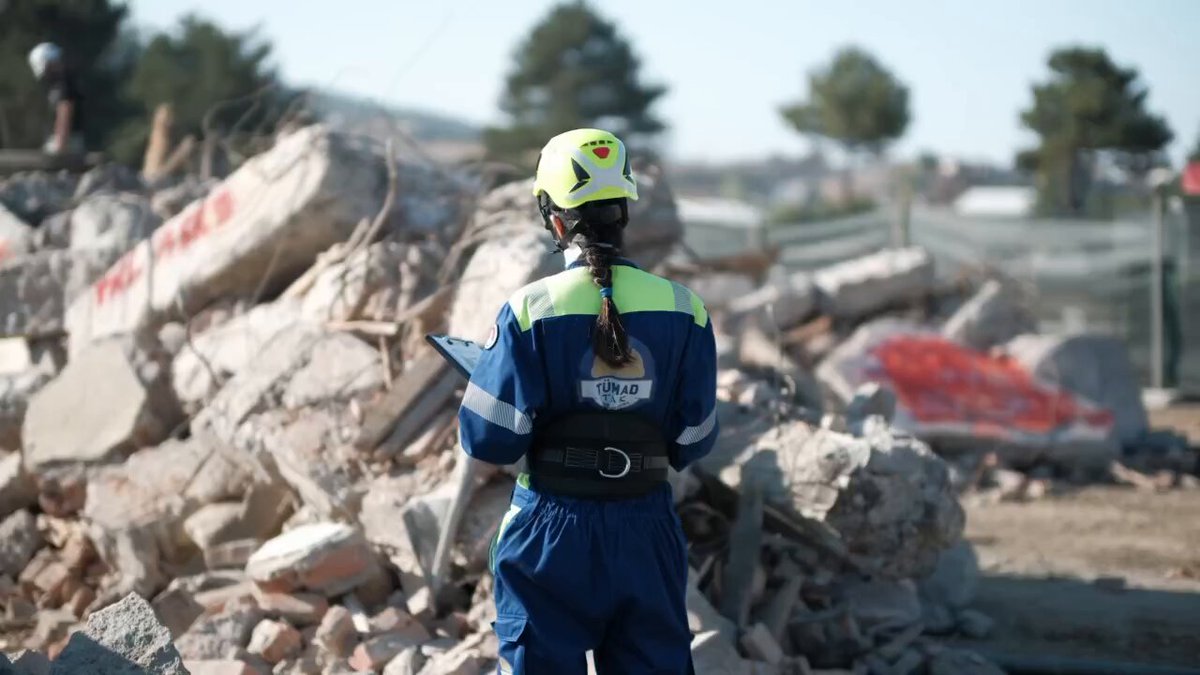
(66, 136)
(600, 377)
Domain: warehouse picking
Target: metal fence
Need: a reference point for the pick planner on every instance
(1081, 275)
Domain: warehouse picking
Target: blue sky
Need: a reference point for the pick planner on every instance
(731, 65)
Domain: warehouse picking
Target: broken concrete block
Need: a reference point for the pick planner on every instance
(226, 349)
(745, 542)
(135, 511)
(212, 523)
(703, 617)
(260, 227)
(860, 287)
(975, 624)
(398, 622)
(231, 554)
(17, 488)
(1094, 367)
(760, 645)
(870, 399)
(298, 609)
(715, 654)
(375, 283)
(286, 355)
(52, 627)
(497, 270)
(994, 315)
(336, 633)
(785, 300)
(338, 367)
(275, 641)
(886, 495)
(221, 634)
(463, 658)
(176, 608)
(881, 603)
(33, 195)
(376, 652)
(404, 528)
(960, 398)
(408, 662)
(480, 519)
(311, 455)
(16, 389)
(119, 637)
(169, 201)
(954, 580)
(19, 540)
(111, 222)
(720, 289)
(35, 289)
(138, 408)
(16, 237)
(107, 178)
(328, 558)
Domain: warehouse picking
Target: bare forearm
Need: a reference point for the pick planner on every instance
(64, 113)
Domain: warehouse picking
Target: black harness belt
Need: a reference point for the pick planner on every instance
(599, 455)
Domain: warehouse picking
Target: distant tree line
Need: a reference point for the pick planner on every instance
(207, 74)
(574, 69)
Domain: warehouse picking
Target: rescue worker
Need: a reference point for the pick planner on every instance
(599, 377)
(66, 136)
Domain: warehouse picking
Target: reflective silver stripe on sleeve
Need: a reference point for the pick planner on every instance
(540, 304)
(699, 432)
(495, 411)
(683, 298)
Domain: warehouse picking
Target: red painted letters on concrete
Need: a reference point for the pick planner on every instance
(176, 236)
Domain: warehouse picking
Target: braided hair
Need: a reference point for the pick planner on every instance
(598, 228)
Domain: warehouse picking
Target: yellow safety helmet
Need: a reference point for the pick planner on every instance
(584, 165)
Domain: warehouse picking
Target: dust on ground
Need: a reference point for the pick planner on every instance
(1101, 572)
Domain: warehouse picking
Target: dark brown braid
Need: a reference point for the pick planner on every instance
(610, 342)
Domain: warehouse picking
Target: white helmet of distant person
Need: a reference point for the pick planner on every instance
(41, 56)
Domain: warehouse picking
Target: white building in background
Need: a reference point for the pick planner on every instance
(718, 212)
(714, 226)
(996, 201)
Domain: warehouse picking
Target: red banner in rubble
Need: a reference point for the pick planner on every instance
(944, 389)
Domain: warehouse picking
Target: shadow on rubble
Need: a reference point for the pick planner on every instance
(84, 655)
(1061, 625)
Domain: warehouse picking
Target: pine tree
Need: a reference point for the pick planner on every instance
(574, 70)
(854, 101)
(1088, 105)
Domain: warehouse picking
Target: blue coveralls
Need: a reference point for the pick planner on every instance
(576, 574)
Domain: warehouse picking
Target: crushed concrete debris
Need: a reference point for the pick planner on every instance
(111, 222)
(119, 638)
(860, 287)
(36, 289)
(327, 558)
(993, 316)
(264, 224)
(138, 408)
(287, 458)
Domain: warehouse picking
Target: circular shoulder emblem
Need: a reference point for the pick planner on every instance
(492, 338)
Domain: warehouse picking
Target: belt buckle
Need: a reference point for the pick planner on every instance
(628, 463)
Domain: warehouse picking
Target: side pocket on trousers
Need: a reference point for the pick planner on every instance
(510, 631)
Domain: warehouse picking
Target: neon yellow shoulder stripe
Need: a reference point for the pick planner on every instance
(573, 293)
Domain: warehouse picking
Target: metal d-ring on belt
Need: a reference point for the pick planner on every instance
(610, 462)
(599, 454)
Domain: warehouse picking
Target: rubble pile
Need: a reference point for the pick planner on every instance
(226, 448)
